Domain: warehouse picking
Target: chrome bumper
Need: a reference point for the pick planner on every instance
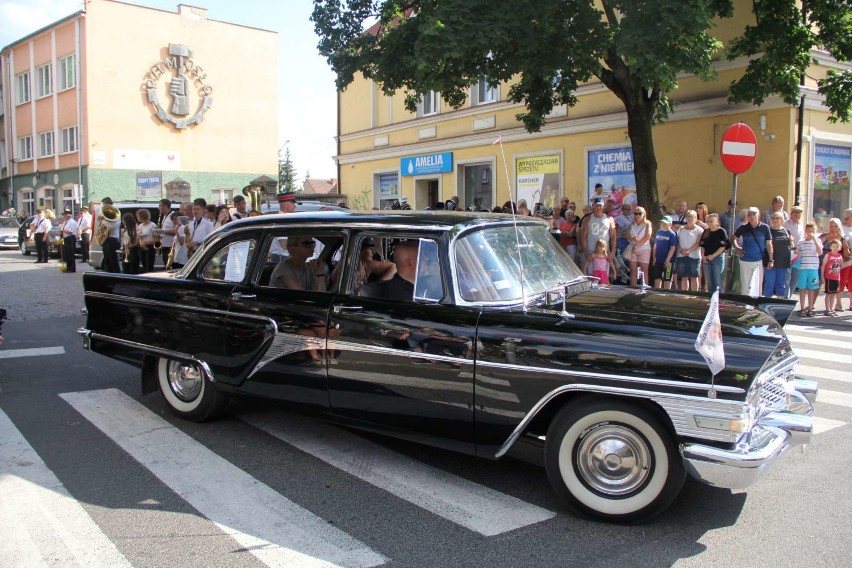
(86, 334)
(772, 435)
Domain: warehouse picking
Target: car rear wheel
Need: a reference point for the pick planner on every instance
(612, 460)
(23, 248)
(188, 391)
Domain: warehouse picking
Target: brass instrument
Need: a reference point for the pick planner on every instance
(254, 191)
(108, 217)
(157, 243)
(170, 259)
(63, 266)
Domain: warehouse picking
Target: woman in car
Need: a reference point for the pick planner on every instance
(295, 272)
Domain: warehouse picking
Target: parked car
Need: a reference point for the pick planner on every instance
(9, 228)
(26, 242)
(500, 344)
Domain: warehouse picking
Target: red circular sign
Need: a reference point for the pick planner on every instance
(739, 148)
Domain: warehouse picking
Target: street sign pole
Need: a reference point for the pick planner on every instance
(738, 151)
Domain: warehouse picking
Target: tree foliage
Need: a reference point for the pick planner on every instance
(286, 172)
(636, 48)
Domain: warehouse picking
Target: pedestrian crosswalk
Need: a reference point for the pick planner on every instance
(43, 525)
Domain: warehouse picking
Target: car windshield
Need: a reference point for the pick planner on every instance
(488, 263)
(8, 223)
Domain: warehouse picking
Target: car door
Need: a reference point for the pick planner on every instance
(287, 358)
(404, 367)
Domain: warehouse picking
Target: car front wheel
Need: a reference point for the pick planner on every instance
(187, 390)
(612, 460)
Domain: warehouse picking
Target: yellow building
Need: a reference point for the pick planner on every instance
(386, 152)
(137, 104)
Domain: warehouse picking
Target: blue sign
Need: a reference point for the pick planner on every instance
(426, 164)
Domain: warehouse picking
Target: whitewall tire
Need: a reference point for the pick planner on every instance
(612, 460)
(187, 391)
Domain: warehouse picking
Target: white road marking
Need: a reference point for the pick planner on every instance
(823, 425)
(41, 523)
(823, 373)
(473, 506)
(33, 352)
(824, 356)
(807, 339)
(834, 398)
(274, 529)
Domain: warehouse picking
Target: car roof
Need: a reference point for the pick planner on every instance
(433, 220)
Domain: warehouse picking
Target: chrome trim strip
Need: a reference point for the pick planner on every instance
(158, 303)
(334, 344)
(611, 377)
(669, 402)
(285, 344)
(158, 350)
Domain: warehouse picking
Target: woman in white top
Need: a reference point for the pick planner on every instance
(145, 235)
(639, 234)
(689, 252)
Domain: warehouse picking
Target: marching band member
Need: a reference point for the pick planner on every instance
(84, 232)
(69, 241)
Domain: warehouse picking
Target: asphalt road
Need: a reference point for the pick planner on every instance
(92, 473)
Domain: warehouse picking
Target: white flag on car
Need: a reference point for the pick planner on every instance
(709, 342)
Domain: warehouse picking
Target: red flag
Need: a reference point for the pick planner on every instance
(498, 141)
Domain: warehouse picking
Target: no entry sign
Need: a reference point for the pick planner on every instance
(739, 148)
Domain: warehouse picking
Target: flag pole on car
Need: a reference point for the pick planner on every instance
(709, 342)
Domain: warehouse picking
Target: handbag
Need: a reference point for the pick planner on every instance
(765, 259)
(627, 252)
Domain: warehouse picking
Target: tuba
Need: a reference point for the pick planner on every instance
(109, 217)
(254, 191)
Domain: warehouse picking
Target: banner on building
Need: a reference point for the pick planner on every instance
(539, 180)
(831, 169)
(388, 186)
(613, 169)
(426, 164)
(149, 185)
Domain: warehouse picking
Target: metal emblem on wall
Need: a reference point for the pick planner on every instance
(186, 79)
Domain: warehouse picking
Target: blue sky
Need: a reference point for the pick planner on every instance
(308, 103)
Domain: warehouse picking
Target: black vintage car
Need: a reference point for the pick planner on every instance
(487, 341)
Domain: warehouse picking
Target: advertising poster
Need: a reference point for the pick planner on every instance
(388, 187)
(149, 185)
(831, 182)
(538, 180)
(613, 169)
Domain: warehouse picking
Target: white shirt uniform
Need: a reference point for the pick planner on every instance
(168, 225)
(85, 224)
(69, 228)
(42, 224)
(198, 231)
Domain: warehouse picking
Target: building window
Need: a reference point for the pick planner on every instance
(430, 104)
(68, 198)
(25, 148)
(485, 93)
(44, 86)
(67, 72)
(477, 187)
(45, 144)
(22, 88)
(3, 161)
(69, 140)
(223, 195)
(28, 201)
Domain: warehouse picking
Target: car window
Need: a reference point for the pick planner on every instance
(401, 268)
(230, 263)
(428, 283)
(301, 259)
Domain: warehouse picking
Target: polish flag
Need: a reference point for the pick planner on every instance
(498, 141)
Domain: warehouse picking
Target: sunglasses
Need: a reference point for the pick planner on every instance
(308, 244)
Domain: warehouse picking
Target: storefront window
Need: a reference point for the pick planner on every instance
(388, 189)
(478, 194)
(831, 182)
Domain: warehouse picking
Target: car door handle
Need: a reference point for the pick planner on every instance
(341, 309)
(241, 296)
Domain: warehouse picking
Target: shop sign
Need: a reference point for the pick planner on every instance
(831, 167)
(427, 164)
(538, 180)
(613, 169)
(185, 83)
(149, 185)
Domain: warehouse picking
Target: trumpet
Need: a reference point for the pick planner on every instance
(63, 266)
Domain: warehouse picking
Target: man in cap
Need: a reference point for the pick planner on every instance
(598, 225)
(663, 254)
(69, 241)
(40, 230)
(111, 244)
(287, 202)
(756, 238)
(403, 203)
(84, 232)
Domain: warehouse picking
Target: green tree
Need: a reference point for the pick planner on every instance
(636, 48)
(286, 172)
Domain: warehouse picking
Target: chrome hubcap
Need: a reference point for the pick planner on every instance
(184, 380)
(613, 460)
